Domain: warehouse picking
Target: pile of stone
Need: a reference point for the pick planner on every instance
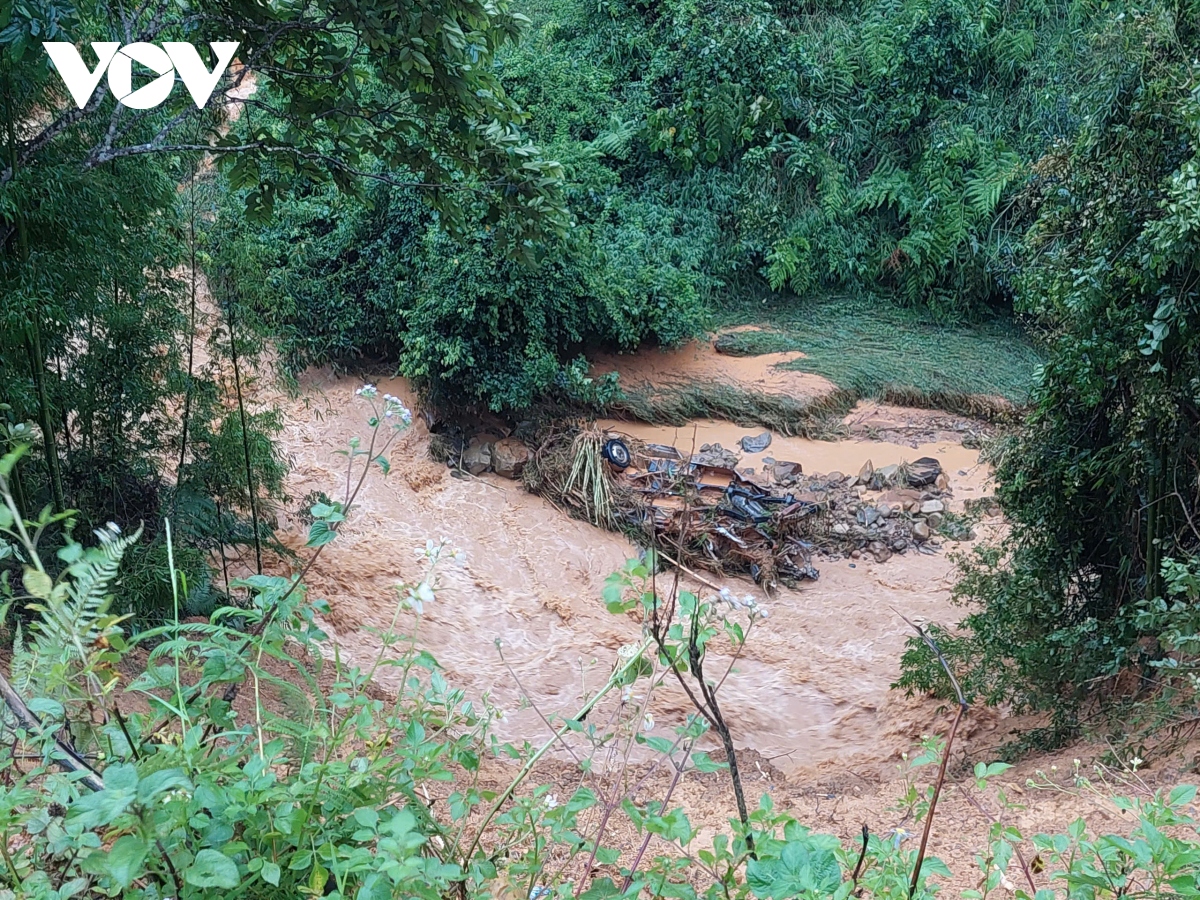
(485, 452)
(891, 510)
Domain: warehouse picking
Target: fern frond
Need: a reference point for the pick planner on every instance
(75, 614)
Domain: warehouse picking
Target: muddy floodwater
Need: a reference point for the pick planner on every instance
(813, 685)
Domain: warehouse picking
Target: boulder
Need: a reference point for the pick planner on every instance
(932, 506)
(924, 471)
(901, 497)
(786, 472)
(868, 515)
(935, 520)
(756, 443)
(477, 458)
(509, 457)
(882, 555)
(920, 532)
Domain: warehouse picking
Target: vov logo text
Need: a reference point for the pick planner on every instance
(171, 58)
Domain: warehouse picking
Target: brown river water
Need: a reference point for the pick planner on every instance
(812, 686)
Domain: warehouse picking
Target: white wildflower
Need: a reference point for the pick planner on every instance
(627, 651)
(367, 390)
(648, 721)
(551, 801)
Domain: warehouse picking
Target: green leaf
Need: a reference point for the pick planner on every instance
(320, 534)
(366, 817)
(212, 868)
(702, 762)
(270, 873)
(160, 782)
(37, 584)
(123, 862)
(804, 866)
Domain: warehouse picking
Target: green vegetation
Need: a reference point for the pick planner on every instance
(325, 789)
(1098, 575)
(101, 340)
(936, 201)
(875, 349)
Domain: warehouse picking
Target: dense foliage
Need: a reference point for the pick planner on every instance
(1102, 482)
(710, 149)
(132, 384)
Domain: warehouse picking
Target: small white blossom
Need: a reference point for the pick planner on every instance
(551, 801)
(647, 722)
(367, 390)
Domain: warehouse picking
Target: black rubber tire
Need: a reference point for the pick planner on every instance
(617, 453)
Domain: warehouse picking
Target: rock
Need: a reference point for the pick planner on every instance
(786, 472)
(865, 473)
(886, 510)
(856, 554)
(868, 515)
(509, 457)
(835, 477)
(769, 460)
(477, 458)
(920, 532)
(984, 506)
(943, 482)
(841, 528)
(885, 477)
(935, 520)
(756, 444)
(899, 545)
(882, 555)
(924, 471)
(932, 506)
(901, 497)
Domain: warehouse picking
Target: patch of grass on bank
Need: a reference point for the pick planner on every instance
(874, 348)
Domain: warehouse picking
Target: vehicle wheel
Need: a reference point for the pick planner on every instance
(617, 453)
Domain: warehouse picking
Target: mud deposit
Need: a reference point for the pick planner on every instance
(813, 686)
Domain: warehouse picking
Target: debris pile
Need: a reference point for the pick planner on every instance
(707, 511)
